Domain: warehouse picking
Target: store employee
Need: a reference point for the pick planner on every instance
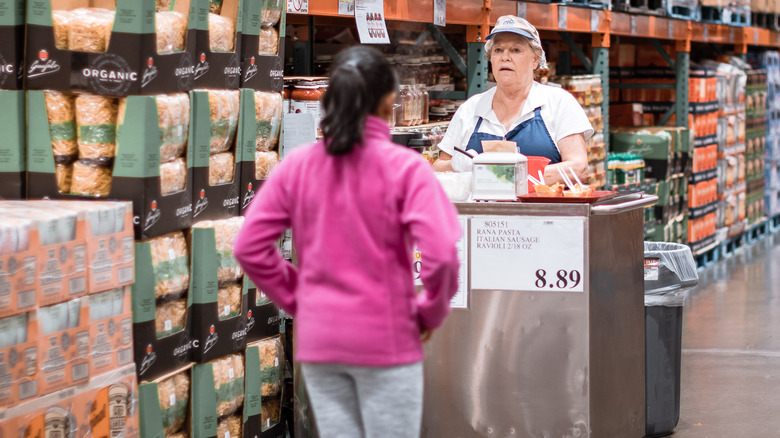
(543, 120)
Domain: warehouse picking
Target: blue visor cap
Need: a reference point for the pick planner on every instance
(515, 31)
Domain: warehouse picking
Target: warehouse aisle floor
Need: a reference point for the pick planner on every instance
(731, 348)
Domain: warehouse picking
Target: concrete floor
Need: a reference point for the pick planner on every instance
(731, 348)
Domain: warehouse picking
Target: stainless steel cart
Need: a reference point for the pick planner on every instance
(536, 353)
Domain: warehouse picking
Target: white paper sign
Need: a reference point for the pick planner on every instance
(460, 300)
(297, 130)
(440, 12)
(528, 253)
(297, 6)
(346, 7)
(370, 19)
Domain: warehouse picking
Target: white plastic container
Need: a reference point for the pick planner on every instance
(499, 176)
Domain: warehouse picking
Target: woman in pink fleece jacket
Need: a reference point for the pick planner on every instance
(356, 203)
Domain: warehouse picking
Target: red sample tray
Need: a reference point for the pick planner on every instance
(598, 195)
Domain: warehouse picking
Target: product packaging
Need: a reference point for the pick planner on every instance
(148, 129)
(161, 311)
(19, 358)
(218, 48)
(258, 139)
(56, 243)
(264, 388)
(263, 318)
(11, 44)
(219, 306)
(163, 404)
(115, 49)
(63, 345)
(217, 393)
(109, 235)
(216, 176)
(662, 148)
(110, 330)
(103, 407)
(263, 45)
(12, 148)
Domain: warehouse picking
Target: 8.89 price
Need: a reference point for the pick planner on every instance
(560, 280)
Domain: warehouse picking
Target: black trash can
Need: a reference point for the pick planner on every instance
(670, 272)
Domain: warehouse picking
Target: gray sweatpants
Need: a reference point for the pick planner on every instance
(365, 402)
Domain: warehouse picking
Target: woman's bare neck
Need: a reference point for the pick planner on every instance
(508, 103)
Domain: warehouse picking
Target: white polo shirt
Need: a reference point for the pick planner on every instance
(561, 113)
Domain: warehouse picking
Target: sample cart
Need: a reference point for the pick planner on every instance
(549, 340)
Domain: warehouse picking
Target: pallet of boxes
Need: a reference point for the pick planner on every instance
(122, 107)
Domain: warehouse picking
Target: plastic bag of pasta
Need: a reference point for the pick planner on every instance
(269, 41)
(225, 232)
(230, 427)
(89, 29)
(61, 112)
(173, 111)
(222, 33)
(229, 383)
(90, 178)
(174, 396)
(170, 318)
(223, 110)
(268, 113)
(171, 28)
(170, 262)
(271, 365)
(221, 168)
(96, 118)
(264, 163)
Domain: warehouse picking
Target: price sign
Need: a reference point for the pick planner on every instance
(460, 300)
(297, 6)
(528, 253)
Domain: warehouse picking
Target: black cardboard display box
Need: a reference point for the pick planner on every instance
(214, 69)
(155, 356)
(263, 317)
(249, 130)
(11, 44)
(136, 167)
(261, 72)
(129, 66)
(12, 148)
(216, 332)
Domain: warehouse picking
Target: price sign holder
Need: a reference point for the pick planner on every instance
(528, 253)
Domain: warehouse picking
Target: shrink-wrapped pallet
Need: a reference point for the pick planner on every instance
(174, 394)
(170, 262)
(230, 427)
(89, 29)
(268, 112)
(91, 177)
(229, 383)
(229, 271)
(222, 33)
(171, 27)
(60, 110)
(221, 168)
(269, 41)
(223, 109)
(96, 118)
(173, 176)
(265, 161)
(170, 317)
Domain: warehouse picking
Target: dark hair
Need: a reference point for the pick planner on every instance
(359, 78)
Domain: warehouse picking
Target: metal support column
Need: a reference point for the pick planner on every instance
(682, 76)
(477, 69)
(601, 68)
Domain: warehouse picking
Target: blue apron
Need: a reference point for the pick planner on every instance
(531, 136)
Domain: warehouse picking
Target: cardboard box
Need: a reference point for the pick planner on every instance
(63, 345)
(216, 331)
(261, 72)
(219, 70)
(136, 169)
(59, 249)
(129, 66)
(154, 356)
(11, 44)
(263, 317)
(260, 378)
(110, 330)
(103, 407)
(12, 148)
(109, 235)
(154, 419)
(18, 359)
(207, 398)
(249, 130)
(210, 201)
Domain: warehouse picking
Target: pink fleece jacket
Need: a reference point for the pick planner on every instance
(354, 219)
